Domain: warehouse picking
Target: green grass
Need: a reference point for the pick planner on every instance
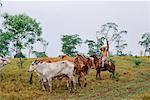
(132, 83)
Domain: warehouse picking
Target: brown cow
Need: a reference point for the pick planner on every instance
(82, 65)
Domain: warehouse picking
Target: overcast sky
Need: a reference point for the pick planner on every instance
(84, 18)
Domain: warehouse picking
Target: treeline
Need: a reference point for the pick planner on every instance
(20, 32)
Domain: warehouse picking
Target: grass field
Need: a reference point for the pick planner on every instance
(131, 83)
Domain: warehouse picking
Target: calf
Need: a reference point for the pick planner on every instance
(47, 71)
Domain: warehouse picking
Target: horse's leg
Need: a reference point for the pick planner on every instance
(100, 74)
(96, 73)
(112, 73)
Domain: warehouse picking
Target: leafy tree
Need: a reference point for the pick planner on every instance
(120, 43)
(20, 55)
(25, 31)
(69, 43)
(145, 42)
(94, 46)
(5, 37)
(39, 54)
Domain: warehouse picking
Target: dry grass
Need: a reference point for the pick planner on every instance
(131, 82)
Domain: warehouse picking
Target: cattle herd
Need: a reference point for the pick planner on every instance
(79, 67)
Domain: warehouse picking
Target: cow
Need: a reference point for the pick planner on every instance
(82, 66)
(3, 62)
(48, 71)
(47, 60)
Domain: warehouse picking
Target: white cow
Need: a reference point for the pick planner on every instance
(3, 62)
(47, 71)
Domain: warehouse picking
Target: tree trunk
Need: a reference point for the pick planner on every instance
(29, 53)
(145, 52)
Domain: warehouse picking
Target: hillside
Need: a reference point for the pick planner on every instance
(131, 82)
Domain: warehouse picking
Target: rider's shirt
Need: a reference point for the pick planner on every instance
(104, 53)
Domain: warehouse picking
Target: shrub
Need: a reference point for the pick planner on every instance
(137, 62)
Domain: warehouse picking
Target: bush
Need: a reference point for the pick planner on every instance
(19, 55)
(137, 62)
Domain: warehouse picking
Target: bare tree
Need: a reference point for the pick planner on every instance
(145, 42)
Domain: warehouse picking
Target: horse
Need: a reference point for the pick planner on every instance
(82, 66)
(108, 66)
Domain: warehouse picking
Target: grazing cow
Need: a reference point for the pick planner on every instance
(3, 62)
(108, 66)
(47, 60)
(82, 66)
(39, 61)
(47, 71)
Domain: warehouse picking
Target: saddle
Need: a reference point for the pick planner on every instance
(106, 62)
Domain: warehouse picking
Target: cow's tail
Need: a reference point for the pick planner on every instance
(31, 80)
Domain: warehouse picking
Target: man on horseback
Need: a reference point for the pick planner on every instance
(104, 53)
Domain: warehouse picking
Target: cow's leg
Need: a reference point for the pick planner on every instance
(79, 81)
(70, 84)
(42, 81)
(50, 84)
(58, 82)
(31, 79)
(74, 83)
(83, 80)
(67, 84)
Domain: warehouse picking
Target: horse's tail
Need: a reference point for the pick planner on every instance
(113, 66)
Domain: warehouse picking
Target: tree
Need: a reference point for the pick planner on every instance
(111, 34)
(94, 46)
(45, 44)
(120, 43)
(69, 43)
(25, 31)
(145, 42)
(39, 54)
(5, 37)
(108, 31)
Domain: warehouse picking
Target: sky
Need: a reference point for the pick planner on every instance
(84, 18)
